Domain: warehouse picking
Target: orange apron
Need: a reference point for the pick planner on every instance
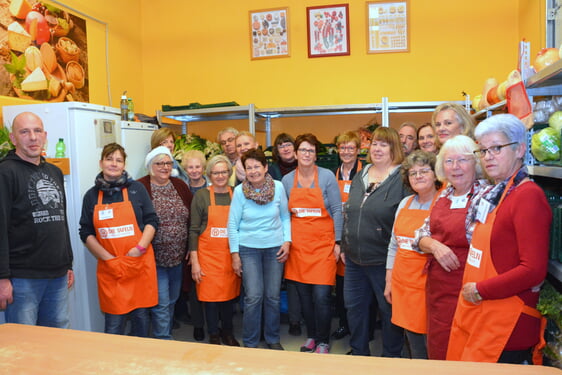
(409, 274)
(480, 332)
(220, 283)
(124, 283)
(344, 185)
(311, 259)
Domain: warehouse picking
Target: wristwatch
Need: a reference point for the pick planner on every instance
(476, 294)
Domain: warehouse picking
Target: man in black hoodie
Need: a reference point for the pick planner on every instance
(35, 253)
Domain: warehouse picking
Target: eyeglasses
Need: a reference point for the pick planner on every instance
(493, 150)
(451, 162)
(421, 172)
(347, 148)
(228, 140)
(161, 164)
(285, 145)
(307, 151)
(219, 173)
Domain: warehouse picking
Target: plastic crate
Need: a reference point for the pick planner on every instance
(168, 108)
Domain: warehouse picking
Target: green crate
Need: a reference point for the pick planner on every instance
(169, 108)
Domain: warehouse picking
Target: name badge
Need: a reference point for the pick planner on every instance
(106, 214)
(482, 211)
(307, 212)
(474, 257)
(459, 202)
(346, 188)
(219, 232)
(405, 243)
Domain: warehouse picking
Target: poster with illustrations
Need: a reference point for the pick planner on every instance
(328, 30)
(269, 36)
(43, 52)
(387, 26)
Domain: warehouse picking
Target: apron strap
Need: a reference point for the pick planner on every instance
(296, 181)
(125, 195)
(212, 194)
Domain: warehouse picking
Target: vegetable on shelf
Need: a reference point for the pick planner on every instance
(187, 142)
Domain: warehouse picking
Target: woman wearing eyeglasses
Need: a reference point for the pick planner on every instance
(259, 235)
(348, 145)
(211, 263)
(117, 225)
(284, 160)
(171, 198)
(496, 318)
(446, 235)
(369, 214)
(316, 222)
(405, 273)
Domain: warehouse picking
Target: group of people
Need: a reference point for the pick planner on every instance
(441, 234)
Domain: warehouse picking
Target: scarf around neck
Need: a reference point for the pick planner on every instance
(111, 187)
(260, 196)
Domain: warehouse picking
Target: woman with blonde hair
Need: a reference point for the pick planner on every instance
(450, 119)
(193, 161)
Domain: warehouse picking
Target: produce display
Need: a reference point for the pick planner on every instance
(5, 143)
(545, 144)
(545, 57)
(43, 52)
(187, 142)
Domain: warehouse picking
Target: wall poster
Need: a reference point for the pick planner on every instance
(328, 30)
(43, 52)
(387, 26)
(269, 36)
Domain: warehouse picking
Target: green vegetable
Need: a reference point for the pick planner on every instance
(555, 121)
(545, 145)
(187, 142)
(5, 143)
(17, 68)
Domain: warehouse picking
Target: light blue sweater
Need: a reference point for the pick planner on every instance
(258, 226)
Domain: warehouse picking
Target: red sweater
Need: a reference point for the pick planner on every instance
(519, 249)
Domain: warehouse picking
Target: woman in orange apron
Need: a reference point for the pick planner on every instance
(405, 267)
(117, 225)
(348, 145)
(316, 221)
(259, 236)
(211, 263)
(446, 234)
(496, 319)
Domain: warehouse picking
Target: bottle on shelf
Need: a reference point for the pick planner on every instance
(60, 149)
(124, 106)
(131, 110)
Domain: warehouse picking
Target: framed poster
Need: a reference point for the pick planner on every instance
(269, 36)
(328, 30)
(388, 26)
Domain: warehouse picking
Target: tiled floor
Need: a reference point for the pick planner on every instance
(292, 343)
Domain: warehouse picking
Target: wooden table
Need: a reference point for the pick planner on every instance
(40, 350)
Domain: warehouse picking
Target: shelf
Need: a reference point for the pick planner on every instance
(321, 110)
(546, 82)
(545, 171)
(487, 110)
(62, 163)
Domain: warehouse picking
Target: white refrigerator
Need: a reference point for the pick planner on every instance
(85, 129)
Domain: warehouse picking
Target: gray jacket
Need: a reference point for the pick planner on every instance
(368, 219)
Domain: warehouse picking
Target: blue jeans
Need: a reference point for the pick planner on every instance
(42, 302)
(316, 305)
(261, 275)
(169, 287)
(139, 322)
(360, 283)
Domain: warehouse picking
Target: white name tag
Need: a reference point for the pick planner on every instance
(219, 232)
(405, 242)
(482, 211)
(106, 214)
(346, 188)
(474, 257)
(117, 232)
(459, 202)
(307, 212)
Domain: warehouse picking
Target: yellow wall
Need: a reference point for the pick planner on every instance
(176, 52)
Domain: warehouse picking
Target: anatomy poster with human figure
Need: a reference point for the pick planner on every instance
(328, 30)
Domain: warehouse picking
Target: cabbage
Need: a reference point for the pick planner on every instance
(545, 145)
(555, 121)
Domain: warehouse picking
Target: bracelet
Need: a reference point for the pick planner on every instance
(477, 295)
(141, 249)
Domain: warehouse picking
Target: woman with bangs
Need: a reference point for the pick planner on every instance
(374, 196)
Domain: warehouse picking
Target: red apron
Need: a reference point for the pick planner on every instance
(480, 332)
(409, 274)
(344, 185)
(442, 287)
(311, 259)
(220, 283)
(125, 283)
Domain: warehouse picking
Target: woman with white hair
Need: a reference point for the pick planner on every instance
(496, 318)
(446, 235)
(171, 198)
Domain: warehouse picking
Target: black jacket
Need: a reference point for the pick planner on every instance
(368, 223)
(34, 239)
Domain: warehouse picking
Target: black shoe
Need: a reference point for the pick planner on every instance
(198, 333)
(276, 346)
(215, 339)
(175, 324)
(340, 333)
(295, 329)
